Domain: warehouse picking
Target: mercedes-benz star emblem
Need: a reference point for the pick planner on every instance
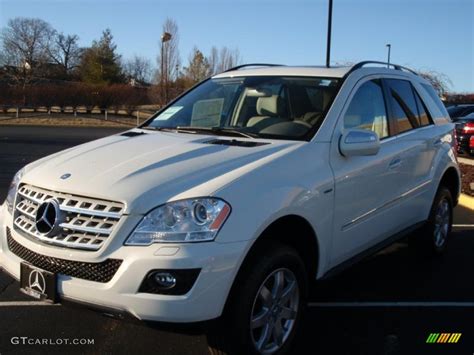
(48, 217)
(37, 281)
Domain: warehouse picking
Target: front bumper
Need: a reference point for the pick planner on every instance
(218, 262)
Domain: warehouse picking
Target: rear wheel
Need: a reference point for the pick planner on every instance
(265, 306)
(438, 227)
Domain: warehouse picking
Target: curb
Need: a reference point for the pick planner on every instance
(466, 201)
(466, 161)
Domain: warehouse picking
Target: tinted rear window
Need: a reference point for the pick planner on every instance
(423, 116)
(439, 104)
(403, 104)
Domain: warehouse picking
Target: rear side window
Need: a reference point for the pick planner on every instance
(439, 104)
(424, 119)
(403, 103)
(367, 109)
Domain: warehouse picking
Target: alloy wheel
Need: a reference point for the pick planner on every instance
(442, 221)
(274, 311)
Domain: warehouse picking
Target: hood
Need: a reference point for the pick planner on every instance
(146, 170)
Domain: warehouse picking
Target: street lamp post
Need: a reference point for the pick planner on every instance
(328, 44)
(165, 37)
(389, 47)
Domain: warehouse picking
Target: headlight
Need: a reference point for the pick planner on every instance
(13, 189)
(193, 220)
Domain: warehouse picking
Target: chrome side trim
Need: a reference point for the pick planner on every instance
(385, 205)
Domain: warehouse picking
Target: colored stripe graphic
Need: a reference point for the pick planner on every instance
(442, 338)
(454, 338)
(432, 338)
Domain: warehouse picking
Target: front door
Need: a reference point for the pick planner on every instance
(366, 187)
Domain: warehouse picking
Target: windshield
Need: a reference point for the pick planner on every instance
(254, 106)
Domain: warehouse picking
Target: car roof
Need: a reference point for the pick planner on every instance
(320, 71)
(362, 68)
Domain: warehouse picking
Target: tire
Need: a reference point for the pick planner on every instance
(255, 296)
(437, 230)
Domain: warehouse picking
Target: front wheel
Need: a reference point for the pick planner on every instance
(265, 306)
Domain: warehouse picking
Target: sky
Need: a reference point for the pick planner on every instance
(425, 34)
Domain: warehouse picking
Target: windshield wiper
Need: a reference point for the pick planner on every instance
(155, 128)
(216, 130)
(211, 130)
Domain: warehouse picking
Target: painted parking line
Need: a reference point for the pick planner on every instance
(463, 225)
(26, 304)
(388, 304)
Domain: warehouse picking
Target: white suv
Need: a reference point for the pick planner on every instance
(230, 200)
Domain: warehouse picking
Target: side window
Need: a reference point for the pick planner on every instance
(403, 104)
(367, 109)
(423, 115)
(439, 104)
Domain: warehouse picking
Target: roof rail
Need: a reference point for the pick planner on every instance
(252, 65)
(395, 66)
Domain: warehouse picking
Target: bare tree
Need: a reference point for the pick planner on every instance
(25, 43)
(65, 52)
(223, 59)
(169, 61)
(228, 58)
(213, 60)
(138, 69)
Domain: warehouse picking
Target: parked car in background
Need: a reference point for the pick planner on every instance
(460, 110)
(465, 133)
(228, 202)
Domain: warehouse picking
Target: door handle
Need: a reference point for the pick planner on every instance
(395, 163)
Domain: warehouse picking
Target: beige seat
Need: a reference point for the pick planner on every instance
(380, 126)
(269, 110)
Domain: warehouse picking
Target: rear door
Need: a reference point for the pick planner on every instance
(418, 146)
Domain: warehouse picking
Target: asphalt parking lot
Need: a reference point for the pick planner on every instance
(388, 304)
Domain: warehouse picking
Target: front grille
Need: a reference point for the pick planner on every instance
(99, 272)
(86, 223)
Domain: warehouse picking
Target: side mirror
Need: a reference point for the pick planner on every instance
(359, 142)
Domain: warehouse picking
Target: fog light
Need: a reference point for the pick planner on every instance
(165, 280)
(169, 282)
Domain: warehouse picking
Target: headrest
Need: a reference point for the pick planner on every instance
(267, 106)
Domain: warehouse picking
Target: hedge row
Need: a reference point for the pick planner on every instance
(113, 97)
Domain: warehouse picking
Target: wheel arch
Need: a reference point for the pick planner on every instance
(296, 232)
(451, 180)
(302, 238)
